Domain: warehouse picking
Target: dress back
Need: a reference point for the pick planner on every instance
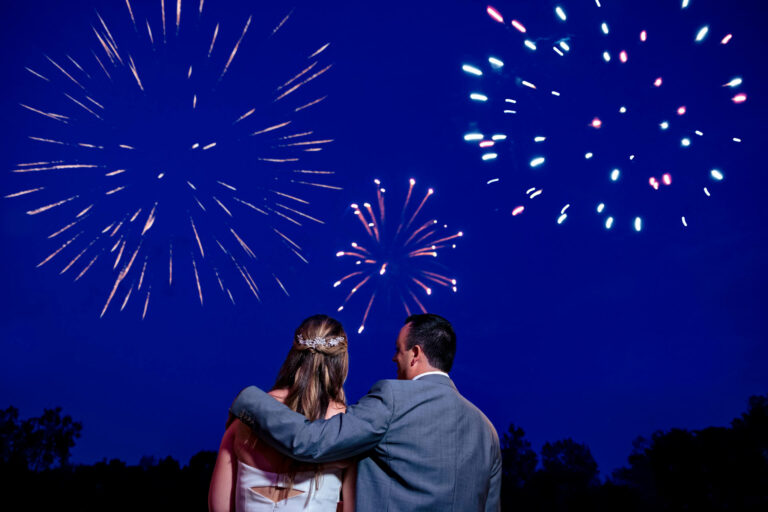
(319, 494)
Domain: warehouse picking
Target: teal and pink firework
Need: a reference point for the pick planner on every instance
(619, 113)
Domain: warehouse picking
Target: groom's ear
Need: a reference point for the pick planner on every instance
(417, 354)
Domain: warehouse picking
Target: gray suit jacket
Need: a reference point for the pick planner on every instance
(424, 447)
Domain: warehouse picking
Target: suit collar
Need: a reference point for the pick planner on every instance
(438, 379)
(434, 372)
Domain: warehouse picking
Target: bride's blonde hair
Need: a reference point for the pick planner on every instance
(316, 367)
(314, 372)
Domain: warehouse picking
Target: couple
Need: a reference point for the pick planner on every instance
(412, 444)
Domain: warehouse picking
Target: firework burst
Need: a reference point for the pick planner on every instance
(622, 111)
(176, 150)
(399, 257)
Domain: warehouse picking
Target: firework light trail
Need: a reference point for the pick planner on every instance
(623, 116)
(398, 257)
(161, 159)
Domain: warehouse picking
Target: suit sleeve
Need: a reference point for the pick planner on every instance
(493, 502)
(343, 436)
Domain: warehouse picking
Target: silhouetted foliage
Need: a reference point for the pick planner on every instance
(9, 428)
(112, 485)
(570, 461)
(519, 461)
(37, 443)
(567, 479)
(518, 465)
(717, 468)
(35, 473)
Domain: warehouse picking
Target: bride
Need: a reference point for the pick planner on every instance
(250, 476)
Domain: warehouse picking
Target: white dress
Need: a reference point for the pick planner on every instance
(312, 499)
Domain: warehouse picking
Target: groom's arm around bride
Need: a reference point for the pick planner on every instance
(423, 445)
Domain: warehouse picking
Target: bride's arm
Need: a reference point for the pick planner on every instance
(348, 487)
(221, 495)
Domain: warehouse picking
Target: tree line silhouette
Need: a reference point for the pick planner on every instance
(713, 469)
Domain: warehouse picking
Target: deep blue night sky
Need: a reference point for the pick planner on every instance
(567, 331)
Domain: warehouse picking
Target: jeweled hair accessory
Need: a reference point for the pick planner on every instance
(319, 341)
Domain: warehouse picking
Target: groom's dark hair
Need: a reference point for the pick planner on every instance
(434, 334)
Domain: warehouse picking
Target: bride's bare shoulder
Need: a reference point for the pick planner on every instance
(279, 394)
(335, 408)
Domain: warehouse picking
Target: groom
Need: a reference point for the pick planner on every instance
(423, 446)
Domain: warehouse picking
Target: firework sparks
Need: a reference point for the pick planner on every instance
(57, 251)
(49, 206)
(23, 192)
(132, 195)
(234, 50)
(558, 96)
(391, 262)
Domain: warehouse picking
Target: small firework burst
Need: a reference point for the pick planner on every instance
(400, 255)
